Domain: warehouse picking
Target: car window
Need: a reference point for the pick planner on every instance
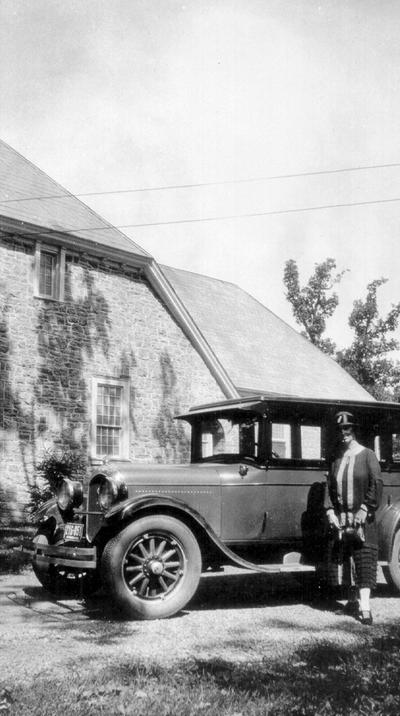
(294, 441)
(224, 436)
(396, 447)
(311, 442)
(281, 440)
(387, 447)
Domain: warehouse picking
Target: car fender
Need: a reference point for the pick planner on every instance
(46, 511)
(134, 507)
(388, 522)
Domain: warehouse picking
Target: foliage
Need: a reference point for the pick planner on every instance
(12, 560)
(54, 466)
(313, 304)
(367, 359)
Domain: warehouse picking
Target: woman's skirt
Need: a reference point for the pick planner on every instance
(350, 564)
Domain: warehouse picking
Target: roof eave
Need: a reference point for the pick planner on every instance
(71, 242)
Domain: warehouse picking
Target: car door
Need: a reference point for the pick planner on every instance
(243, 502)
(295, 480)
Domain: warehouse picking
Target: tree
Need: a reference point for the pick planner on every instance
(313, 304)
(368, 359)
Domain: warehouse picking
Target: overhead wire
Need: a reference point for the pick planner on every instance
(226, 217)
(204, 184)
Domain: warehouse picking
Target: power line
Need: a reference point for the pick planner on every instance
(204, 184)
(226, 217)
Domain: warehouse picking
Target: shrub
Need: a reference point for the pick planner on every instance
(53, 468)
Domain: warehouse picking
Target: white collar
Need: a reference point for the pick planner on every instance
(354, 449)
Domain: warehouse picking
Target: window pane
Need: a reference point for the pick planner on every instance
(396, 447)
(310, 442)
(108, 441)
(281, 444)
(48, 264)
(108, 411)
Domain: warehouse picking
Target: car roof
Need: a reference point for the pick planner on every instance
(281, 407)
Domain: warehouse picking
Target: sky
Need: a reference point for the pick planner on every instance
(115, 95)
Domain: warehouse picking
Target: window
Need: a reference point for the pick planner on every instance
(226, 436)
(281, 442)
(311, 442)
(396, 447)
(110, 411)
(295, 441)
(50, 270)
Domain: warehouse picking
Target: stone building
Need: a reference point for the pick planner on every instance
(100, 346)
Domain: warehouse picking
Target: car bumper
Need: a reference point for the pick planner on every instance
(61, 555)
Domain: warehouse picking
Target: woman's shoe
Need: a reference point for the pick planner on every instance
(366, 617)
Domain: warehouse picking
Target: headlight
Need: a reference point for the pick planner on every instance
(69, 494)
(110, 490)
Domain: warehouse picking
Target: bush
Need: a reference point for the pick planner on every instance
(53, 468)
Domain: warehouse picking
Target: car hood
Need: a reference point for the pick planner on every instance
(139, 474)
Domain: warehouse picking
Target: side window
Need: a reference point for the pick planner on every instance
(281, 440)
(226, 436)
(49, 272)
(110, 422)
(295, 441)
(212, 438)
(396, 447)
(387, 447)
(311, 442)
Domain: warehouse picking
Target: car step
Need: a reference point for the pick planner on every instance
(291, 563)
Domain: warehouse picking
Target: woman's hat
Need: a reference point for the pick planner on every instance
(345, 419)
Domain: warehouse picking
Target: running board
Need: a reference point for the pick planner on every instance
(291, 563)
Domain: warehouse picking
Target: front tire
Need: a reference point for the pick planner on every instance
(63, 581)
(152, 567)
(392, 571)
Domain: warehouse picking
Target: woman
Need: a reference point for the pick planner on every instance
(351, 504)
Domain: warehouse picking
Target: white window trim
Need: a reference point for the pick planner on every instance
(60, 271)
(124, 444)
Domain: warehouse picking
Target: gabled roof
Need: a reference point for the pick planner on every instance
(247, 348)
(260, 352)
(28, 195)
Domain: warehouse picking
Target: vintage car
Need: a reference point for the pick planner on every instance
(252, 496)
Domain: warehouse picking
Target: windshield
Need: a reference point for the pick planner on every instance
(224, 438)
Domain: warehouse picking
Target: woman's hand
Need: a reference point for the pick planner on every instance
(332, 519)
(361, 516)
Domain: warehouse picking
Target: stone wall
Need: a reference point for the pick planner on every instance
(111, 324)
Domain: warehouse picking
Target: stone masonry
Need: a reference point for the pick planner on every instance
(110, 325)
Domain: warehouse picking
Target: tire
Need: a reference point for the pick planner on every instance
(63, 580)
(152, 567)
(392, 571)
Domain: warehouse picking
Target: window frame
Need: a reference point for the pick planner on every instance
(123, 383)
(59, 271)
(294, 440)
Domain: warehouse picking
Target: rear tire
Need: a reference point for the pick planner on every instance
(152, 567)
(392, 570)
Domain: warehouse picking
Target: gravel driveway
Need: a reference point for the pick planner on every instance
(235, 616)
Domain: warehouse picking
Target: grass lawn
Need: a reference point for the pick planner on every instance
(319, 681)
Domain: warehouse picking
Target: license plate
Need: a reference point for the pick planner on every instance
(73, 531)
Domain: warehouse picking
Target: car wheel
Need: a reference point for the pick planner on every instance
(392, 570)
(63, 580)
(152, 567)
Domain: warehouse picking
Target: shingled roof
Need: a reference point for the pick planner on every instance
(247, 348)
(28, 195)
(260, 352)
